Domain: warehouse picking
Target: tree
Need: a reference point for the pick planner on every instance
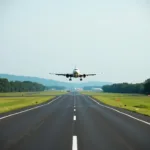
(147, 86)
(124, 88)
(17, 86)
(4, 85)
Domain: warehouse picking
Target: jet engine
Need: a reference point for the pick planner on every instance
(67, 75)
(84, 75)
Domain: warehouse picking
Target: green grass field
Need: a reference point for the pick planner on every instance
(134, 102)
(29, 94)
(13, 101)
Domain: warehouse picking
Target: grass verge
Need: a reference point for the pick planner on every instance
(133, 102)
(29, 94)
(13, 101)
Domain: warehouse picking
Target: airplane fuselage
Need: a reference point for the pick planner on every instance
(76, 73)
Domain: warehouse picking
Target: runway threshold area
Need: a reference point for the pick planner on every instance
(73, 122)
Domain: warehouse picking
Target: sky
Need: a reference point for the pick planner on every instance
(111, 38)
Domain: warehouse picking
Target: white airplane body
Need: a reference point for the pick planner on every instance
(75, 74)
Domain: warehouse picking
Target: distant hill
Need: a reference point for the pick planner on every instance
(48, 82)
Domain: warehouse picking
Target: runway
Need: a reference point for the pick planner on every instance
(73, 122)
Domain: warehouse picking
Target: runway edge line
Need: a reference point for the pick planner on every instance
(20, 112)
(148, 123)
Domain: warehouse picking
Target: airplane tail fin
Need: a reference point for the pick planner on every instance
(75, 67)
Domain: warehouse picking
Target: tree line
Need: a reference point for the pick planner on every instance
(141, 88)
(18, 86)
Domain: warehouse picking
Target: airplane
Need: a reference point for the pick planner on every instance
(75, 74)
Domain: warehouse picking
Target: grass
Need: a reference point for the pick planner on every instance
(133, 102)
(13, 101)
(20, 94)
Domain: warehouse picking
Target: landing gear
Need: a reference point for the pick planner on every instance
(70, 79)
(80, 79)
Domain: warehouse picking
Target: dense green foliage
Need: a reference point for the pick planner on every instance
(128, 88)
(124, 88)
(147, 86)
(17, 86)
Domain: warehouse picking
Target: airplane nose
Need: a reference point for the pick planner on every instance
(75, 72)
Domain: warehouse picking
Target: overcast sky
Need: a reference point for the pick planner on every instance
(99, 36)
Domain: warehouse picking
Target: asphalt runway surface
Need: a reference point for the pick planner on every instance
(73, 122)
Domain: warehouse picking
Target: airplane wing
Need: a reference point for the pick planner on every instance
(62, 74)
(84, 75)
(90, 74)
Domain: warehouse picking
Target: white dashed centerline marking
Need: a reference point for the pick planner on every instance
(74, 143)
(74, 118)
(74, 138)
